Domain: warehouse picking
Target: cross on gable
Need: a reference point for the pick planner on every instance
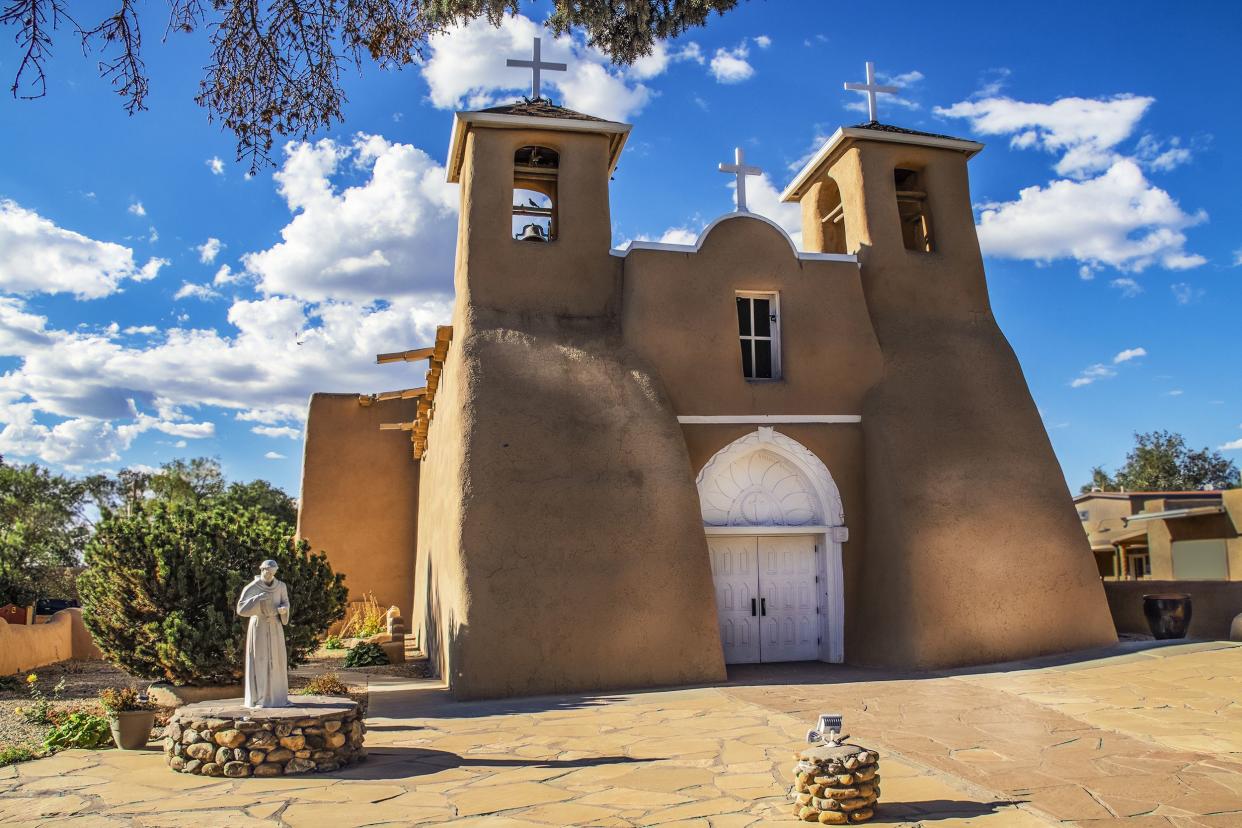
(741, 170)
(871, 88)
(536, 65)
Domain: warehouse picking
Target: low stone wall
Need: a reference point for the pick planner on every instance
(1213, 605)
(318, 734)
(30, 646)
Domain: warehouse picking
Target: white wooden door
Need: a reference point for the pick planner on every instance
(736, 575)
(787, 599)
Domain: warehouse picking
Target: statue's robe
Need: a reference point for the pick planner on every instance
(267, 665)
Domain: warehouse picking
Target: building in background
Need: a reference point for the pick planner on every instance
(1164, 536)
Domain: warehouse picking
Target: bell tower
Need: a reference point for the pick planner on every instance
(535, 230)
(971, 528)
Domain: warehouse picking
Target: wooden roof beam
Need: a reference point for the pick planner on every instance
(405, 356)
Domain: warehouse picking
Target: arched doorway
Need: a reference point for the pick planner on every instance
(774, 525)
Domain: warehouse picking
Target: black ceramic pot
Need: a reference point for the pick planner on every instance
(1168, 614)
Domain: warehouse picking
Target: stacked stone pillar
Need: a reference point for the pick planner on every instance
(836, 784)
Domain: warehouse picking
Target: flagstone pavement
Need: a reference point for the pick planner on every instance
(1137, 736)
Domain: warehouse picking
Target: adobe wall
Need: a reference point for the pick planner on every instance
(567, 532)
(1213, 605)
(679, 313)
(360, 495)
(975, 552)
(30, 646)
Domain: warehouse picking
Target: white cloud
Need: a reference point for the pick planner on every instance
(467, 69)
(274, 455)
(1129, 354)
(80, 441)
(36, 256)
(731, 66)
(137, 209)
(144, 330)
(1232, 445)
(80, 397)
(1159, 156)
(1085, 131)
(208, 250)
(1185, 293)
(1128, 287)
(215, 165)
(278, 431)
(189, 290)
(1176, 392)
(391, 236)
(765, 199)
(1093, 373)
(763, 41)
(226, 276)
(903, 81)
(1117, 219)
(654, 64)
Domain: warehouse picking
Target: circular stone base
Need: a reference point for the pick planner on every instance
(225, 738)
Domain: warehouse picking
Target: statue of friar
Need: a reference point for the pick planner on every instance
(265, 601)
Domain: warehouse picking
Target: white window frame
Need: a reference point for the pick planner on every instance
(774, 303)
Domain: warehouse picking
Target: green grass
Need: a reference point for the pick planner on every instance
(12, 754)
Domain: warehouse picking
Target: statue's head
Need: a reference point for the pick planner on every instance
(267, 571)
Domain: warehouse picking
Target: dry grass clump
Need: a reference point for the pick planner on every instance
(364, 618)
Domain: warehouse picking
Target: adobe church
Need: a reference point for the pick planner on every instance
(628, 469)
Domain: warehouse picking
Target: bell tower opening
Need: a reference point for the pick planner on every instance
(534, 194)
(916, 231)
(832, 216)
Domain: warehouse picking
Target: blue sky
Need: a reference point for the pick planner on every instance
(157, 303)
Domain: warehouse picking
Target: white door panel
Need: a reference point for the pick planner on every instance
(736, 577)
(766, 597)
(787, 591)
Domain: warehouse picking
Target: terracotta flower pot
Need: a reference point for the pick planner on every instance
(131, 729)
(1168, 614)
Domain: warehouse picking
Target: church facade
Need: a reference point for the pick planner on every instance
(631, 468)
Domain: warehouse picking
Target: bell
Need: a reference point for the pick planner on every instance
(532, 232)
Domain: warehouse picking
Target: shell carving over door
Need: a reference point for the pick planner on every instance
(767, 479)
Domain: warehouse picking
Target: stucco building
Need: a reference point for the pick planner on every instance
(1164, 536)
(633, 467)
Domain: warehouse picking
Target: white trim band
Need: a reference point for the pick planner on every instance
(767, 419)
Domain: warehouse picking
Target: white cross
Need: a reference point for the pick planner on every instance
(870, 88)
(536, 65)
(739, 169)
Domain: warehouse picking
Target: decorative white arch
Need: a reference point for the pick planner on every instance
(768, 479)
(767, 483)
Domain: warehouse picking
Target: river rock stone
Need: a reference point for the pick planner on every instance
(201, 751)
(293, 742)
(296, 765)
(269, 769)
(237, 769)
(230, 738)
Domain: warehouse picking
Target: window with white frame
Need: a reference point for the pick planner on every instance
(758, 328)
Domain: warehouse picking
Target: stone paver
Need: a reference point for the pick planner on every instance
(1142, 739)
(1120, 740)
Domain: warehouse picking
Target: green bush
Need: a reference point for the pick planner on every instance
(79, 730)
(365, 655)
(333, 642)
(162, 581)
(12, 754)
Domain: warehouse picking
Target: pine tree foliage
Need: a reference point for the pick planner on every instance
(275, 66)
(163, 579)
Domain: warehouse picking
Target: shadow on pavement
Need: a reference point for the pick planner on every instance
(933, 810)
(409, 763)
